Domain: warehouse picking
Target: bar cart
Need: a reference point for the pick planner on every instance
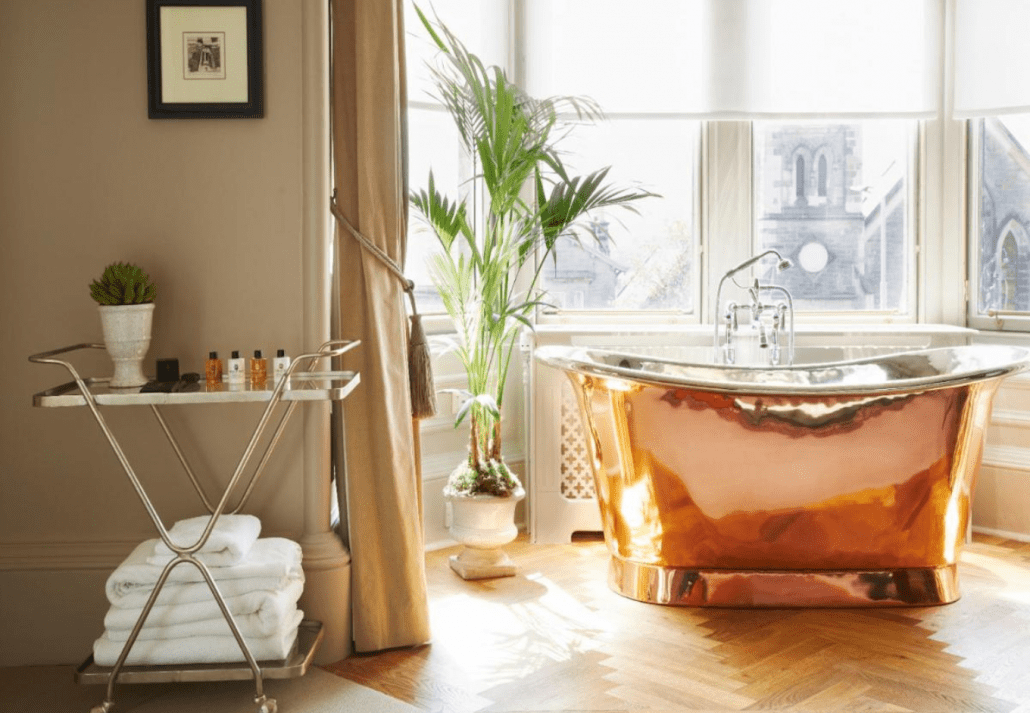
(301, 383)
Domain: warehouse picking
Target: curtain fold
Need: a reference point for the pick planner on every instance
(382, 487)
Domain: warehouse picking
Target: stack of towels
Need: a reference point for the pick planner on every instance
(260, 580)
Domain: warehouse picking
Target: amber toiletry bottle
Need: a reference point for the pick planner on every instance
(258, 369)
(213, 369)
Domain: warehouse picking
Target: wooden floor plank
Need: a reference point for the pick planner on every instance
(555, 638)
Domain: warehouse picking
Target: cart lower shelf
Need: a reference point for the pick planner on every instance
(309, 636)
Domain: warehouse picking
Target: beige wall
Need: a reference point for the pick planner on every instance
(213, 210)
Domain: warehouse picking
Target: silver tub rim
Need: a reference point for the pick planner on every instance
(905, 370)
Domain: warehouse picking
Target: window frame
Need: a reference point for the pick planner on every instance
(595, 317)
(992, 320)
(916, 202)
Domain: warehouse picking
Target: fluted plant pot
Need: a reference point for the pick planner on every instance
(483, 524)
(127, 338)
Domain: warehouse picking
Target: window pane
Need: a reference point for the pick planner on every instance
(624, 260)
(1004, 241)
(433, 144)
(833, 198)
(482, 25)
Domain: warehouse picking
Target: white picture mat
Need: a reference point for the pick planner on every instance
(230, 20)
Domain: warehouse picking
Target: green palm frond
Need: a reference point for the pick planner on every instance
(448, 220)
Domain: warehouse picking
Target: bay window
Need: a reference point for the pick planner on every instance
(991, 90)
(824, 162)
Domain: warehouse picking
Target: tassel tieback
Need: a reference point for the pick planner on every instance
(420, 372)
(420, 362)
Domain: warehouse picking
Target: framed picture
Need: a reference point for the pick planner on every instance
(204, 59)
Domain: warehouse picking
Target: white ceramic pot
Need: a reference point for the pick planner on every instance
(127, 338)
(484, 524)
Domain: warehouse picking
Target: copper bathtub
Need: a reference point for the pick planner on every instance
(832, 484)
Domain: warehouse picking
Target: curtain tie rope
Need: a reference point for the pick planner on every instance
(420, 365)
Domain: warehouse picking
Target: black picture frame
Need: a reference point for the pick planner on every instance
(205, 59)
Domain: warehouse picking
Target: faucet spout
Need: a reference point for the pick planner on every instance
(757, 308)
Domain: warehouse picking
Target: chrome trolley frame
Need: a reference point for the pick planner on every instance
(296, 386)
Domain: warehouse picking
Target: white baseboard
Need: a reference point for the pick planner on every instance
(1008, 535)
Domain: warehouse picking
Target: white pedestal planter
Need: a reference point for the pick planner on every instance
(127, 338)
(484, 524)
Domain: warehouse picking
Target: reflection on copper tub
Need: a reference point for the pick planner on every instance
(842, 484)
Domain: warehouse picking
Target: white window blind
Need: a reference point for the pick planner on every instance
(740, 59)
(992, 57)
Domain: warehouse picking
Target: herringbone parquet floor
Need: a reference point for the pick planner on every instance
(555, 638)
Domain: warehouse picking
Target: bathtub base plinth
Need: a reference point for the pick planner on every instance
(681, 586)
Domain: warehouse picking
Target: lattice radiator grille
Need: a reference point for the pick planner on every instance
(577, 480)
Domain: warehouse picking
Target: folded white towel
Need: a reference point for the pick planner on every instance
(198, 649)
(268, 557)
(270, 607)
(229, 542)
(185, 592)
(255, 624)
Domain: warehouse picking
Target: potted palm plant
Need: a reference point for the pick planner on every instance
(125, 295)
(487, 272)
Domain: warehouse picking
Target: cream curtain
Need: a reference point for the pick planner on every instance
(382, 490)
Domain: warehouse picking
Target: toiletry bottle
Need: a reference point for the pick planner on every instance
(234, 366)
(280, 365)
(258, 370)
(213, 369)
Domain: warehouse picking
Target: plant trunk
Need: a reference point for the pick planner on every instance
(495, 451)
(474, 445)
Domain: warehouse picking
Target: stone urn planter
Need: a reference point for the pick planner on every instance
(484, 524)
(127, 338)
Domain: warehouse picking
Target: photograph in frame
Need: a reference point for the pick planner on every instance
(204, 59)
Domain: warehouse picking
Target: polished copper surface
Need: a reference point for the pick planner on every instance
(718, 497)
(913, 586)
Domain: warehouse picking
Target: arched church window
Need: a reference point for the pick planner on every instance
(822, 176)
(799, 177)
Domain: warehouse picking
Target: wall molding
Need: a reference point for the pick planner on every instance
(1017, 381)
(1010, 417)
(1008, 457)
(1007, 534)
(77, 556)
(49, 556)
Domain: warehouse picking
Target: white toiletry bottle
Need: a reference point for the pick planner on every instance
(279, 366)
(235, 369)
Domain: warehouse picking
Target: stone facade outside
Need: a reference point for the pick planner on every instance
(1004, 221)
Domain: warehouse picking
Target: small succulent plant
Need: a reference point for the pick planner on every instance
(123, 284)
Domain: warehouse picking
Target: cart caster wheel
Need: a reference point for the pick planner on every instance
(104, 707)
(266, 705)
